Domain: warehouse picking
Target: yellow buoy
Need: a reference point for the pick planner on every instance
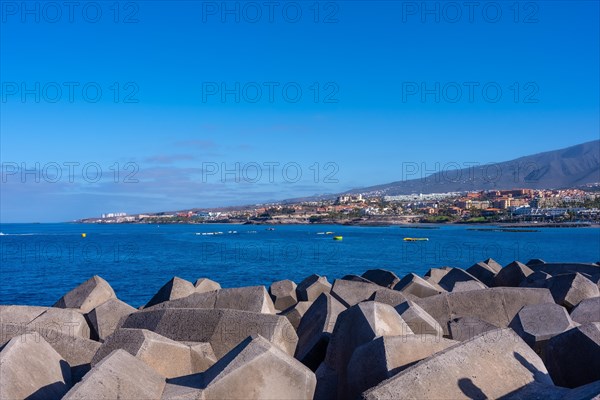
(83, 235)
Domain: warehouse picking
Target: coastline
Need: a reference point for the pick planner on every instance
(376, 223)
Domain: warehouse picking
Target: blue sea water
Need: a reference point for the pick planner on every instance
(41, 262)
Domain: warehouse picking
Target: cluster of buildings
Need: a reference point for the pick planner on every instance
(504, 205)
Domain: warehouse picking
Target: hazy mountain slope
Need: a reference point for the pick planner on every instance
(570, 167)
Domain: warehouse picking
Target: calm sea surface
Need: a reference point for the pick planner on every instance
(41, 262)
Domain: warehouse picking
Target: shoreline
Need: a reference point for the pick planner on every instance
(416, 225)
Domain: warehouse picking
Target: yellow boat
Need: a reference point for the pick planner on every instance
(415, 239)
(338, 237)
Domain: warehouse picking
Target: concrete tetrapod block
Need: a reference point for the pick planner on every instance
(75, 350)
(222, 328)
(483, 273)
(107, 317)
(20, 314)
(538, 391)
(32, 369)
(496, 306)
(468, 285)
(249, 298)
(119, 376)
(178, 391)
(454, 276)
(176, 288)
(567, 268)
(204, 285)
(573, 357)
(194, 300)
(418, 320)
(538, 323)
(13, 320)
(539, 279)
(283, 294)
(87, 296)
(512, 274)
(256, 369)
(417, 286)
(294, 314)
(591, 391)
(315, 330)
(355, 278)
(382, 277)
(570, 289)
(165, 356)
(465, 328)
(385, 356)
(493, 264)
(535, 261)
(391, 297)
(587, 310)
(356, 326)
(327, 383)
(490, 365)
(434, 275)
(312, 287)
(203, 356)
(65, 320)
(350, 293)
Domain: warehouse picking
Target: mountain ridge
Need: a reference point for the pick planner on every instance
(572, 166)
(569, 167)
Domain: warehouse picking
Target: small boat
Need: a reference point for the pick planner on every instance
(232, 232)
(408, 239)
(270, 229)
(329, 233)
(320, 233)
(338, 237)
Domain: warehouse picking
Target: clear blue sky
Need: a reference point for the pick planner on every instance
(174, 128)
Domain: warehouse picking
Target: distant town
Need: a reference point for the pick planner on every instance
(515, 206)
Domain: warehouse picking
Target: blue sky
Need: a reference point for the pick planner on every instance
(350, 92)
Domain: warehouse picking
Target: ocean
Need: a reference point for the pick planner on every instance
(41, 262)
